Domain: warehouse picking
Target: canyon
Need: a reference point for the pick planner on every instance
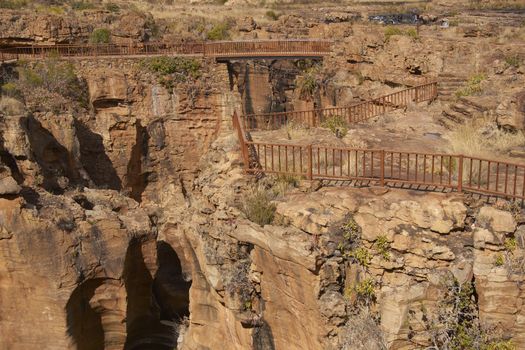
(123, 206)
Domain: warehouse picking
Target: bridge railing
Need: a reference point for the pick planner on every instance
(416, 170)
(267, 47)
(352, 114)
(205, 49)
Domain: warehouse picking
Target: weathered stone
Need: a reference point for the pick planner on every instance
(8, 185)
(498, 220)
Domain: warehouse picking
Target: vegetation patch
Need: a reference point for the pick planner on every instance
(382, 246)
(50, 85)
(112, 7)
(337, 124)
(220, 31)
(307, 84)
(513, 61)
(473, 86)
(457, 326)
(270, 14)
(172, 70)
(390, 31)
(82, 5)
(258, 207)
(13, 4)
(100, 36)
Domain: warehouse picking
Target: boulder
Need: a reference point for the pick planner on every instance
(498, 220)
(510, 112)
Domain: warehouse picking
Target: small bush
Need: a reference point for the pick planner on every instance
(272, 15)
(499, 260)
(513, 61)
(220, 31)
(13, 4)
(382, 246)
(10, 106)
(511, 244)
(391, 31)
(10, 89)
(257, 206)
(472, 87)
(171, 70)
(100, 36)
(363, 292)
(361, 256)
(337, 125)
(51, 85)
(112, 7)
(412, 33)
(82, 5)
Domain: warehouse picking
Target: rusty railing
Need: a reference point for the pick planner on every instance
(352, 114)
(222, 49)
(433, 171)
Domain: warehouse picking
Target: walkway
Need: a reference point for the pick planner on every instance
(253, 49)
(414, 170)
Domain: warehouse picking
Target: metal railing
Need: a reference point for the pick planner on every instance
(433, 171)
(221, 49)
(352, 114)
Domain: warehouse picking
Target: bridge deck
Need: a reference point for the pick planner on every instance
(299, 48)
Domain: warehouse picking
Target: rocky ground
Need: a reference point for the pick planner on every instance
(126, 220)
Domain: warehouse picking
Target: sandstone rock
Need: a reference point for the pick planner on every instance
(247, 24)
(511, 113)
(8, 185)
(498, 220)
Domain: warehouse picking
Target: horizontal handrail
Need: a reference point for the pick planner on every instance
(352, 114)
(434, 171)
(219, 49)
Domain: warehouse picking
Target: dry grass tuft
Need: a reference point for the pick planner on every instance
(11, 106)
(482, 138)
(258, 207)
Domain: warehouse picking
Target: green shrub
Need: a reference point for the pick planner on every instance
(51, 85)
(100, 36)
(220, 31)
(472, 87)
(82, 5)
(391, 31)
(171, 70)
(257, 206)
(511, 244)
(13, 4)
(412, 33)
(337, 125)
(382, 246)
(513, 61)
(272, 15)
(499, 260)
(10, 89)
(363, 292)
(307, 85)
(112, 7)
(361, 256)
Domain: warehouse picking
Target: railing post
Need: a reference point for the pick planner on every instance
(417, 94)
(460, 174)
(382, 180)
(310, 163)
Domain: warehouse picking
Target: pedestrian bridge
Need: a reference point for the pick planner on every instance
(221, 50)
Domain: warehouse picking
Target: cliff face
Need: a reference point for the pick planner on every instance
(120, 225)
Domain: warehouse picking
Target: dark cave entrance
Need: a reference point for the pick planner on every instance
(156, 305)
(83, 323)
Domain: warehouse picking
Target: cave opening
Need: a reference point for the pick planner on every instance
(156, 304)
(84, 324)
